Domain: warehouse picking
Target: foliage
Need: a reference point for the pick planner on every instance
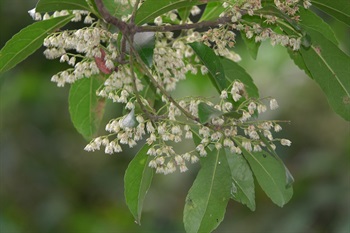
(230, 141)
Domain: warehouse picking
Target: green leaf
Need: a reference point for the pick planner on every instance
(270, 174)
(151, 9)
(212, 11)
(57, 5)
(224, 71)
(212, 62)
(299, 61)
(242, 176)
(329, 67)
(137, 180)
(251, 45)
(117, 9)
(339, 9)
(233, 72)
(184, 13)
(206, 113)
(27, 41)
(309, 20)
(207, 199)
(146, 51)
(85, 108)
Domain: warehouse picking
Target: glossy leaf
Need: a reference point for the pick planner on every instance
(339, 9)
(207, 112)
(137, 181)
(208, 197)
(329, 67)
(57, 5)
(151, 9)
(27, 41)
(243, 180)
(270, 174)
(213, 63)
(233, 72)
(85, 108)
(212, 11)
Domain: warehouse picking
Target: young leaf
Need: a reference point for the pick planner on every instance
(243, 181)
(137, 180)
(85, 108)
(270, 174)
(212, 62)
(234, 71)
(151, 9)
(339, 9)
(207, 199)
(329, 66)
(27, 41)
(206, 113)
(57, 5)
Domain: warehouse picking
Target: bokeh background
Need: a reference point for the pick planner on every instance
(48, 183)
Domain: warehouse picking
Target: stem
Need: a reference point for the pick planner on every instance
(134, 86)
(122, 26)
(132, 19)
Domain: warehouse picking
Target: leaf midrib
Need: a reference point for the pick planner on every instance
(319, 54)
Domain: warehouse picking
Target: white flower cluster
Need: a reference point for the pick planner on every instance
(291, 7)
(170, 60)
(78, 15)
(118, 87)
(222, 40)
(224, 131)
(262, 32)
(79, 48)
(95, 50)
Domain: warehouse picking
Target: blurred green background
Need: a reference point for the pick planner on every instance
(48, 183)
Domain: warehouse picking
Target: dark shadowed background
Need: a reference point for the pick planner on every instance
(48, 183)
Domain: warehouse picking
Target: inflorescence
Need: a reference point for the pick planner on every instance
(95, 50)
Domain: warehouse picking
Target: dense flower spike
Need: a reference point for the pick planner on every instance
(95, 50)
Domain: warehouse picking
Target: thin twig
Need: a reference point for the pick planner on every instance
(167, 28)
(122, 26)
(134, 86)
(132, 19)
